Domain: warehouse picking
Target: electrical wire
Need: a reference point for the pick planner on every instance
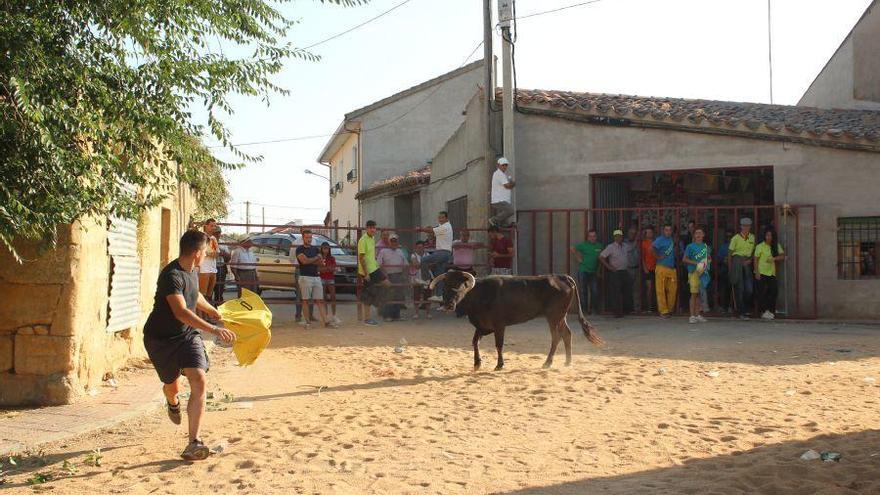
(343, 33)
(551, 11)
(346, 131)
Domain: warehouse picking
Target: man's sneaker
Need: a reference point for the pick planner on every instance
(196, 451)
(307, 326)
(701, 319)
(744, 317)
(665, 316)
(437, 299)
(371, 322)
(331, 324)
(767, 315)
(173, 412)
(693, 320)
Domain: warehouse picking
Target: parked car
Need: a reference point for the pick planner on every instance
(278, 250)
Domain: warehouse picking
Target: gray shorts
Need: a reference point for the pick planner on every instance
(311, 288)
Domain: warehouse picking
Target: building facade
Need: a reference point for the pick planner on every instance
(389, 139)
(74, 313)
(851, 78)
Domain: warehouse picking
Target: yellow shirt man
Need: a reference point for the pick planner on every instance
(742, 246)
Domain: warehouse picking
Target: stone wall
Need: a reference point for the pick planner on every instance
(54, 346)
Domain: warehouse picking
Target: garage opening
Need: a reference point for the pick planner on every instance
(680, 196)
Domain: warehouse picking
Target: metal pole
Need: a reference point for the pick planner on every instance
(264, 217)
(247, 215)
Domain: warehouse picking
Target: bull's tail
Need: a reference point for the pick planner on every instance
(589, 330)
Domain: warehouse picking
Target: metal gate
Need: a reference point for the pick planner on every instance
(546, 235)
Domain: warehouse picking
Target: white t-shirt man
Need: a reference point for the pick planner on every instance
(499, 192)
(443, 234)
(240, 255)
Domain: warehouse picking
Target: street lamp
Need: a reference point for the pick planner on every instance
(309, 172)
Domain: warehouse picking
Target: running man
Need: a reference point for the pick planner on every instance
(173, 341)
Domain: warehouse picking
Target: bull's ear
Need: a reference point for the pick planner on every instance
(436, 280)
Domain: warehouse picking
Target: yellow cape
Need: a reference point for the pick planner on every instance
(250, 320)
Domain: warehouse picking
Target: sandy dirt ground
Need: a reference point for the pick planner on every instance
(664, 407)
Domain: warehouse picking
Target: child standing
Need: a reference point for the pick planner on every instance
(696, 259)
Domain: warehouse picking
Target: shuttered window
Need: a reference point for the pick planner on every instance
(123, 308)
(457, 212)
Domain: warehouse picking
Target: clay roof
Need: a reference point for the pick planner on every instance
(858, 129)
(398, 183)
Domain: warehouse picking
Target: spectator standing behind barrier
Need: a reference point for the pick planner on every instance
(311, 289)
(500, 252)
(615, 257)
(501, 197)
(685, 238)
(665, 275)
(649, 265)
(392, 261)
(435, 263)
(420, 286)
(223, 256)
(208, 266)
(724, 296)
(767, 255)
(586, 253)
(374, 280)
(383, 241)
(327, 270)
(464, 253)
(244, 268)
(741, 250)
(696, 259)
(632, 267)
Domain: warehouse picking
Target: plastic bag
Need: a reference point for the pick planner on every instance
(251, 321)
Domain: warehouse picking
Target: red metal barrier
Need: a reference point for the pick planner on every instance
(323, 230)
(787, 220)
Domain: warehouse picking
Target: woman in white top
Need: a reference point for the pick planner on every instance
(208, 268)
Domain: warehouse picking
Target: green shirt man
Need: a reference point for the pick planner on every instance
(588, 252)
(367, 263)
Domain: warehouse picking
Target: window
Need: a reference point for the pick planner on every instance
(457, 210)
(858, 241)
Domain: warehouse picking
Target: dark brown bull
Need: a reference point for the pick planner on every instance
(496, 302)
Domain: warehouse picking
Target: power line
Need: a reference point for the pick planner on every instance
(404, 114)
(535, 14)
(289, 207)
(343, 33)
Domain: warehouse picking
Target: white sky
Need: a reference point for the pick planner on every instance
(710, 49)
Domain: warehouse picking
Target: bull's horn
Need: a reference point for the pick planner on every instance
(471, 281)
(436, 280)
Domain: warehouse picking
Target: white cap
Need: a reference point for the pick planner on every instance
(503, 161)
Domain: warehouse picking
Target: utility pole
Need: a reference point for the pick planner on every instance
(489, 99)
(247, 217)
(264, 219)
(508, 100)
(506, 15)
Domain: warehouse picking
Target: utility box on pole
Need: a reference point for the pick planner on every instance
(505, 12)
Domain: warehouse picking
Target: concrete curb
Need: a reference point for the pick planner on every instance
(35, 428)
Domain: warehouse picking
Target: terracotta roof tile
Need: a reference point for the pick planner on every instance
(393, 184)
(857, 127)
